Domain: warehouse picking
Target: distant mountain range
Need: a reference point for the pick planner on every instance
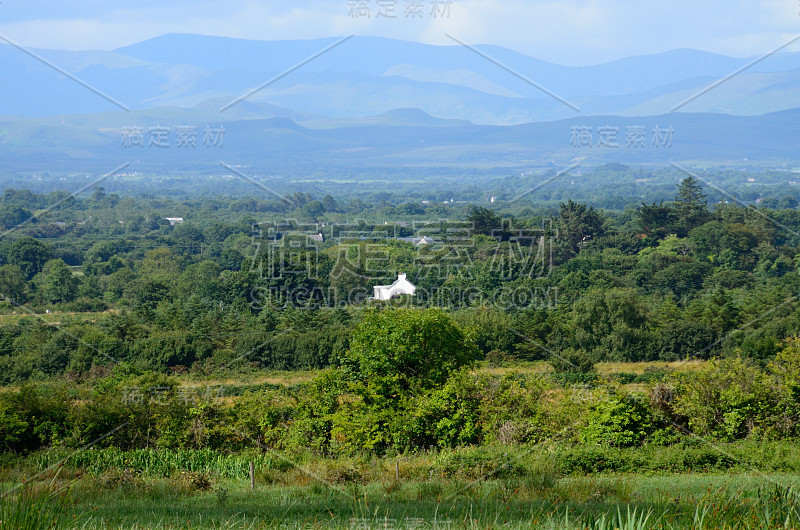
(365, 76)
(372, 103)
(407, 140)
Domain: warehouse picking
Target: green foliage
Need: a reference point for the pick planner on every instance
(449, 416)
(656, 220)
(13, 286)
(206, 298)
(406, 349)
(622, 421)
(729, 399)
(12, 427)
(610, 324)
(514, 410)
(29, 255)
(572, 361)
(490, 328)
(579, 224)
(484, 221)
(314, 419)
(690, 204)
(480, 464)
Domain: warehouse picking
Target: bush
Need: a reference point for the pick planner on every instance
(728, 399)
(479, 464)
(125, 479)
(194, 481)
(402, 349)
(620, 422)
(574, 378)
(497, 358)
(447, 417)
(593, 459)
(343, 474)
(514, 410)
(572, 361)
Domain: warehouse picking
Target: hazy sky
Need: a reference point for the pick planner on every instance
(564, 31)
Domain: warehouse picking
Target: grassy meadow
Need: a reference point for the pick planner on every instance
(540, 487)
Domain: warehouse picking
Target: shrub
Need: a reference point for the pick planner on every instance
(591, 459)
(194, 481)
(447, 417)
(497, 358)
(620, 422)
(572, 361)
(399, 366)
(514, 409)
(407, 348)
(343, 474)
(574, 378)
(124, 479)
(479, 464)
(728, 399)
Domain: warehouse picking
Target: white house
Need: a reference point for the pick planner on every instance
(400, 286)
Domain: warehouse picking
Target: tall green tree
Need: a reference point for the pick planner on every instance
(690, 205)
(56, 282)
(484, 221)
(30, 255)
(578, 224)
(13, 286)
(656, 220)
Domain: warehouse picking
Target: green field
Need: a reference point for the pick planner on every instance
(424, 491)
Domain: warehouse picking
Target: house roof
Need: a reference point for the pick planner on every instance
(417, 240)
(400, 278)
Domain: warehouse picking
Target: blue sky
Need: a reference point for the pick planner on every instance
(576, 32)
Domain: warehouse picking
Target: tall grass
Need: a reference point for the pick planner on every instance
(31, 509)
(159, 463)
(620, 520)
(429, 504)
(771, 507)
(462, 488)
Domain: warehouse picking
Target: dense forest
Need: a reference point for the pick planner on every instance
(665, 281)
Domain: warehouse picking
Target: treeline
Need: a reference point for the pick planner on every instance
(664, 281)
(373, 192)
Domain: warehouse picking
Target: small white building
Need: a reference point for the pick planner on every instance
(400, 287)
(174, 220)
